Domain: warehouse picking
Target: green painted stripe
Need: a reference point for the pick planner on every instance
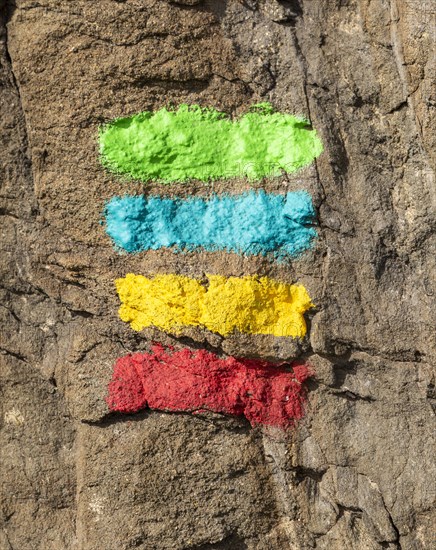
(203, 144)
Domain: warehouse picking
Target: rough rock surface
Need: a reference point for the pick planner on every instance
(358, 472)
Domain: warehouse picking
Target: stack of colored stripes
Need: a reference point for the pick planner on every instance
(195, 143)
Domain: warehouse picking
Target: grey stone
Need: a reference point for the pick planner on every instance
(358, 471)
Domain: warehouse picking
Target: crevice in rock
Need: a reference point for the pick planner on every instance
(6, 212)
(11, 312)
(230, 423)
(80, 313)
(394, 527)
(5, 532)
(401, 67)
(245, 85)
(8, 11)
(352, 396)
(304, 69)
(18, 356)
(301, 473)
(398, 107)
(431, 395)
(405, 356)
(353, 510)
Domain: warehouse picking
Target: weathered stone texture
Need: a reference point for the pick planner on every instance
(358, 472)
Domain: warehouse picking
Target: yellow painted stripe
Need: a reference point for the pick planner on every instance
(251, 304)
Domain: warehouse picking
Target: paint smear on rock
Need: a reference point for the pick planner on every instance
(250, 304)
(192, 381)
(204, 144)
(251, 223)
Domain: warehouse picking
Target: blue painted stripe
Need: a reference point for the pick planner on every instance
(251, 223)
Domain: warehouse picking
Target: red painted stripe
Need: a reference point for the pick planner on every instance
(192, 381)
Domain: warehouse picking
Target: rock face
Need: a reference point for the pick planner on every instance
(358, 471)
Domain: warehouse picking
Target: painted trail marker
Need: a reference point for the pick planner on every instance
(195, 143)
(194, 381)
(250, 304)
(250, 223)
